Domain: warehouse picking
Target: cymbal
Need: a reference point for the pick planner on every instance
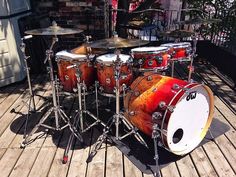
(116, 43)
(53, 30)
(196, 21)
(83, 50)
(177, 33)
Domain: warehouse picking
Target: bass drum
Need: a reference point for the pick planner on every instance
(182, 110)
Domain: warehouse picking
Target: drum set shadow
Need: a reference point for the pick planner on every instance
(175, 113)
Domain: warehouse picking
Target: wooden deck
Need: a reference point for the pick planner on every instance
(43, 157)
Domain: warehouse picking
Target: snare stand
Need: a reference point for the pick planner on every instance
(78, 118)
(115, 119)
(58, 112)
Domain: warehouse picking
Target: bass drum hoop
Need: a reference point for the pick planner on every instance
(178, 96)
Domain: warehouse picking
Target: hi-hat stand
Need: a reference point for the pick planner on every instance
(56, 109)
(79, 117)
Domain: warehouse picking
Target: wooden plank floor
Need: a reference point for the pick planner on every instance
(43, 157)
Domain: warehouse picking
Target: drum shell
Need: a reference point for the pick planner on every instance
(179, 51)
(147, 92)
(106, 76)
(150, 59)
(68, 76)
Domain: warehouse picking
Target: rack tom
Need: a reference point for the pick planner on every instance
(106, 71)
(150, 58)
(180, 51)
(68, 64)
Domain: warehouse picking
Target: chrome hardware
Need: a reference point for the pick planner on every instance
(175, 87)
(159, 59)
(156, 116)
(150, 63)
(154, 90)
(108, 80)
(131, 113)
(136, 93)
(140, 61)
(163, 105)
(67, 77)
(149, 78)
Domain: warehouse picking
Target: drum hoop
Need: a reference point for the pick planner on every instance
(190, 85)
(177, 45)
(66, 58)
(149, 52)
(110, 63)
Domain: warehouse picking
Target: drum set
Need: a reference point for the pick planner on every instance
(175, 113)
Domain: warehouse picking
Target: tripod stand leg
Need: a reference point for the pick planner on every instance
(68, 147)
(97, 145)
(72, 127)
(28, 137)
(27, 118)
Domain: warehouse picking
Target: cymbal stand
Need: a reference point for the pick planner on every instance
(191, 67)
(56, 109)
(31, 104)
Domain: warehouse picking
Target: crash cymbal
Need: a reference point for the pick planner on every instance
(82, 50)
(177, 33)
(53, 30)
(196, 21)
(116, 43)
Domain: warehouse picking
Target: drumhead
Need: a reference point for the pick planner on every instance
(149, 49)
(111, 57)
(65, 55)
(177, 45)
(190, 120)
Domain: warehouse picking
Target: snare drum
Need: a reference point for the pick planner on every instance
(150, 58)
(67, 75)
(183, 111)
(106, 71)
(179, 51)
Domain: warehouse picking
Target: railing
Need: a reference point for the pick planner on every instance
(224, 33)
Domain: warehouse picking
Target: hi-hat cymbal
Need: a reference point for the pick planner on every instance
(53, 30)
(196, 21)
(177, 33)
(116, 43)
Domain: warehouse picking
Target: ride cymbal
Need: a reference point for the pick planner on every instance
(116, 43)
(53, 30)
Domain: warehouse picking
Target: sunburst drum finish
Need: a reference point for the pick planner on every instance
(179, 51)
(150, 58)
(67, 76)
(106, 71)
(184, 128)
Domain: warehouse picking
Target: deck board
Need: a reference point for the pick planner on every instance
(218, 160)
(114, 163)
(44, 156)
(202, 163)
(25, 162)
(186, 167)
(170, 170)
